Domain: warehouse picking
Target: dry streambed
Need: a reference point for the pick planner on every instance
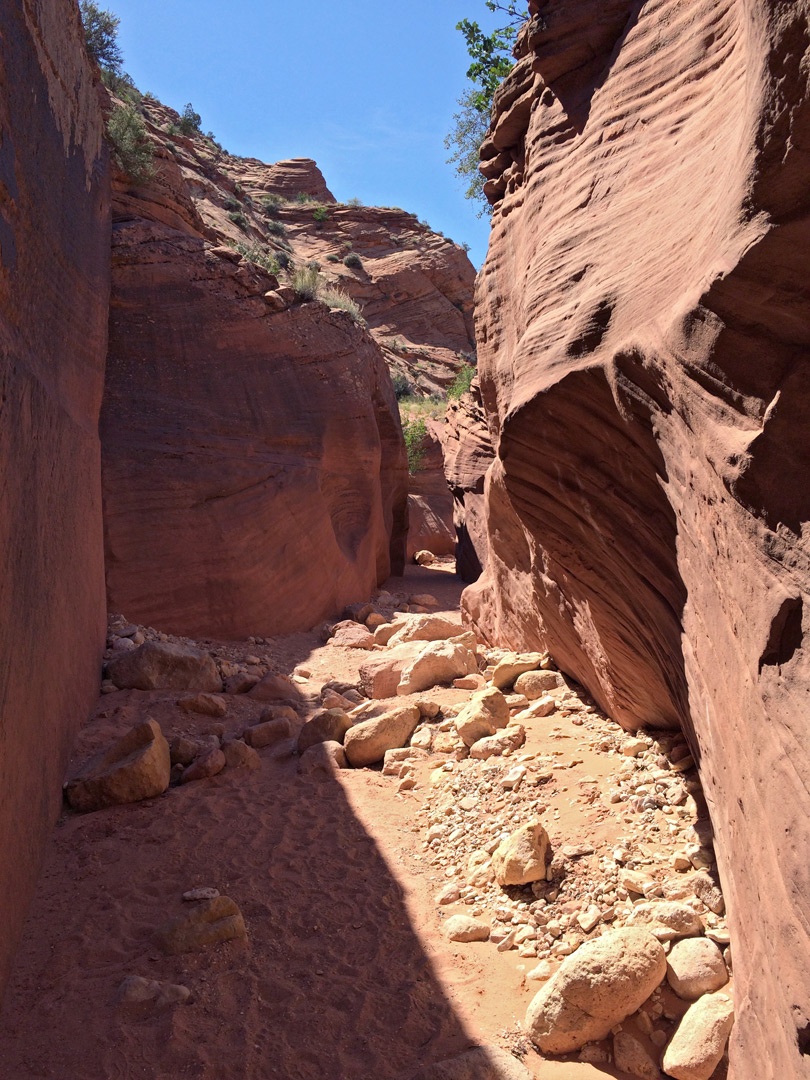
(558, 872)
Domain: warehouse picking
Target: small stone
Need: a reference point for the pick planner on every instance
(504, 741)
(422, 739)
(465, 928)
(470, 682)
(708, 892)
(589, 919)
(424, 558)
(543, 972)
(534, 684)
(513, 779)
(210, 922)
(149, 995)
(448, 895)
(205, 893)
(633, 747)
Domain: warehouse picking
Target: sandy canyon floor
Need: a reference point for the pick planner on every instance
(346, 972)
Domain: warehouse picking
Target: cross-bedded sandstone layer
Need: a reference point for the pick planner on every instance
(647, 383)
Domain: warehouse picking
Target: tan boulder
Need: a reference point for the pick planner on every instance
(209, 763)
(207, 923)
(426, 628)
(205, 704)
(522, 857)
(367, 742)
(352, 635)
(485, 713)
(534, 684)
(513, 664)
(695, 1050)
(384, 632)
(695, 966)
(424, 558)
(596, 987)
(330, 725)
(509, 739)
(381, 673)
(325, 758)
(274, 688)
(438, 662)
(466, 928)
(238, 755)
(268, 733)
(138, 766)
(667, 919)
(160, 665)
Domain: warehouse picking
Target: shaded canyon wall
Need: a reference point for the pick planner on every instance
(54, 285)
(648, 387)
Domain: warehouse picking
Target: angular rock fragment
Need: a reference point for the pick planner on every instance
(425, 628)
(485, 713)
(238, 755)
(205, 704)
(439, 662)
(510, 738)
(380, 675)
(268, 733)
(160, 665)
(667, 919)
(513, 664)
(466, 928)
(522, 858)
(631, 1057)
(206, 765)
(136, 767)
(330, 725)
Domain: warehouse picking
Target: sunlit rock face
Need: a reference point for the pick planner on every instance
(254, 470)
(54, 267)
(643, 326)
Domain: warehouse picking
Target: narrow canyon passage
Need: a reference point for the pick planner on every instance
(348, 881)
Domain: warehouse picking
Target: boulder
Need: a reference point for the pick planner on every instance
(136, 767)
(367, 742)
(240, 683)
(424, 558)
(325, 758)
(522, 857)
(696, 1048)
(667, 919)
(275, 688)
(596, 987)
(534, 684)
(695, 966)
(485, 713)
(426, 628)
(438, 662)
(384, 632)
(160, 665)
(330, 725)
(208, 923)
(239, 755)
(352, 635)
(481, 1063)
(466, 928)
(205, 704)
(508, 739)
(513, 664)
(380, 675)
(268, 733)
(207, 764)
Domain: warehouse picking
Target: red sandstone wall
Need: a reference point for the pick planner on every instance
(649, 387)
(54, 260)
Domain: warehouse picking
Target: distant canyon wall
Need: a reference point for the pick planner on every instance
(54, 286)
(648, 389)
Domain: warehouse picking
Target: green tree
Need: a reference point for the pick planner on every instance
(189, 122)
(101, 36)
(491, 56)
(131, 146)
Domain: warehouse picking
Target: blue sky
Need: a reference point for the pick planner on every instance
(366, 87)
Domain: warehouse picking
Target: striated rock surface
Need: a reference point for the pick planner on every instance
(54, 258)
(430, 504)
(253, 467)
(647, 386)
(468, 454)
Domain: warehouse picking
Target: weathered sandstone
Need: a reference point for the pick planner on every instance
(647, 390)
(54, 285)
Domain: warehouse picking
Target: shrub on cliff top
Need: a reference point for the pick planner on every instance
(259, 256)
(131, 147)
(353, 261)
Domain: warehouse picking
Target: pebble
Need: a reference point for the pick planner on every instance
(206, 893)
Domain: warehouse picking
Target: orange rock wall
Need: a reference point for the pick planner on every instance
(648, 387)
(54, 273)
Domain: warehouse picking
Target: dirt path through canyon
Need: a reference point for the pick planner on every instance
(347, 972)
